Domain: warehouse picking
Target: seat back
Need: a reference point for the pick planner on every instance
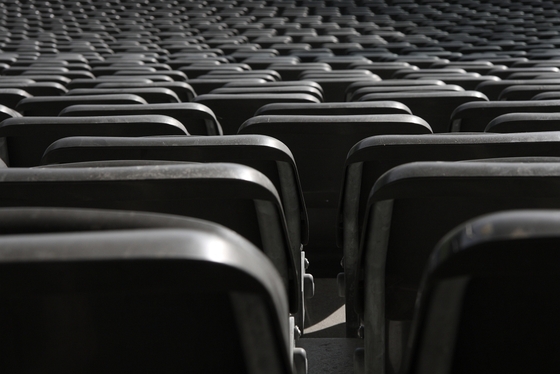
(232, 110)
(480, 283)
(197, 119)
(25, 139)
(425, 200)
(434, 107)
(524, 122)
(263, 153)
(370, 158)
(152, 95)
(113, 317)
(235, 196)
(337, 109)
(53, 105)
(473, 117)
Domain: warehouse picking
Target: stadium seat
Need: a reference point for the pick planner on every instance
(51, 106)
(235, 196)
(112, 316)
(524, 122)
(183, 90)
(264, 154)
(484, 278)
(336, 109)
(152, 95)
(425, 200)
(434, 107)
(370, 158)
(25, 139)
(198, 119)
(474, 117)
(233, 110)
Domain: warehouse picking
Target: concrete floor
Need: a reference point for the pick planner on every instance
(328, 350)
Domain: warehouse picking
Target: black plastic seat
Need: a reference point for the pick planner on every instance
(198, 119)
(36, 88)
(383, 70)
(320, 145)
(265, 89)
(475, 117)
(526, 92)
(221, 79)
(6, 113)
(152, 95)
(547, 95)
(60, 79)
(90, 83)
(325, 109)
(334, 87)
(235, 196)
(22, 70)
(468, 82)
(203, 86)
(291, 72)
(426, 200)
(264, 154)
(346, 62)
(196, 70)
(480, 283)
(27, 138)
(390, 83)
(183, 90)
(70, 74)
(268, 155)
(524, 122)
(434, 107)
(480, 67)
(154, 77)
(411, 73)
(53, 105)
(268, 75)
(251, 83)
(507, 73)
(173, 75)
(10, 97)
(138, 322)
(360, 92)
(370, 158)
(43, 220)
(493, 89)
(234, 109)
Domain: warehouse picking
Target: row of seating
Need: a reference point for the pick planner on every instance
(301, 125)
